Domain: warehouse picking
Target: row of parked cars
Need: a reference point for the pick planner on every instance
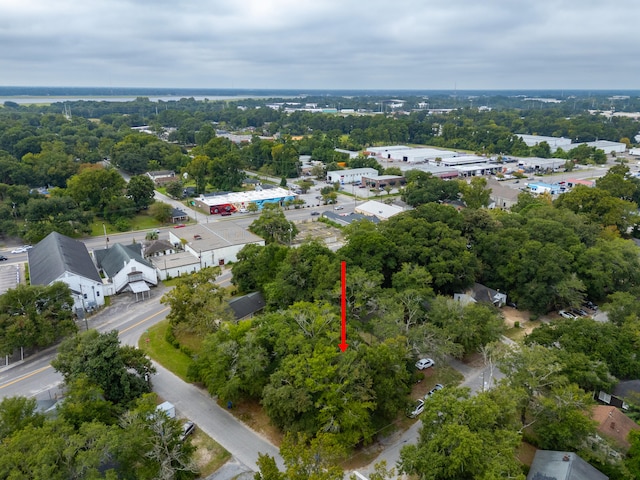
(573, 313)
(418, 408)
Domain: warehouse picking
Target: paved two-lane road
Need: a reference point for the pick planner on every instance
(36, 378)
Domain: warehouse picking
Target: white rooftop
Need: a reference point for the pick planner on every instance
(378, 209)
(245, 197)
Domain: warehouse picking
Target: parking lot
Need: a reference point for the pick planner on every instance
(10, 276)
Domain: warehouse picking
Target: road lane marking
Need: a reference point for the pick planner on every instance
(24, 377)
(120, 332)
(42, 369)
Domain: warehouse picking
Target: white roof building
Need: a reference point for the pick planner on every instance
(416, 155)
(351, 175)
(386, 151)
(463, 160)
(378, 209)
(554, 142)
(235, 200)
(606, 146)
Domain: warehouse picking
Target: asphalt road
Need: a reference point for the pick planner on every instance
(36, 378)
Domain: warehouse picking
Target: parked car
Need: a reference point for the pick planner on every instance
(225, 214)
(578, 311)
(243, 210)
(180, 225)
(417, 409)
(590, 304)
(424, 363)
(3, 258)
(338, 207)
(436, 387)
(187, 429)
(569, 315)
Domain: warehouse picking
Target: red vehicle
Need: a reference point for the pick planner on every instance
(180, 225)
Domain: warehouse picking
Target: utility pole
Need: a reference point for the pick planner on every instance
(106, 239)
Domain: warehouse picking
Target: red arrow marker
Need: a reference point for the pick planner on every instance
(343, 343)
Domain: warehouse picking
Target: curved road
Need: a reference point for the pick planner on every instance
(36, 378)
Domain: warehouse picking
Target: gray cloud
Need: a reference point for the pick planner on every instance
(322, 44)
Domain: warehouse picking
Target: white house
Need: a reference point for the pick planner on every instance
(58, 258)
(125, 268)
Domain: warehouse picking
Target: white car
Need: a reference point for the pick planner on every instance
(417, 410)
(21, 249)
(436, 387)
(243, 210)
(338, 207)
(569, 315)
(424, 363)
(187, 429)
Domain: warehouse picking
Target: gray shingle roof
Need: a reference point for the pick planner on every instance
(554, 465)
(56, 254)
(112, 260)
(247, 305)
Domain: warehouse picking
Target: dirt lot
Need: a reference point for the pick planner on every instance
(312, 229)
(511, 316)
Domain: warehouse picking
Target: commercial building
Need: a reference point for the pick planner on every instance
(554, 142)
(386, 151)
(214, 243)
(418, 155)
(225, 203)
(606, 146)
(378, 209)
(382, 181)
(352, 175)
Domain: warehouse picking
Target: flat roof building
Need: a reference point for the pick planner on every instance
(554, 142)
(351, 175)
(231, 202)
(417, 155)
(378, 209)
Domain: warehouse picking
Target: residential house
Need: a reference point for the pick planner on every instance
(480, 293)
(178, 216)
(162, 177)
(614, 425)
(125, 268)
(157, 248)
(554, 465)
(348, 218)
(60, 258)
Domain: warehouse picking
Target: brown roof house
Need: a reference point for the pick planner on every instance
(614, 425)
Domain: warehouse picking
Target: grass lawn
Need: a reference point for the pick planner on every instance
(209, 456)
(139, 222)
(153, 343)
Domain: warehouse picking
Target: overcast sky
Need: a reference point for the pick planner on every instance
(321, 44)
